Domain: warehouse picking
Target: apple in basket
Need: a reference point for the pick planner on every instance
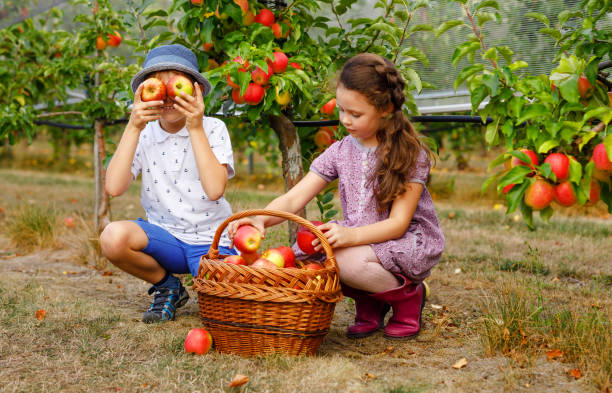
(313, 266)
(198, 341)
(235, 260)
(250, 257)
(288, 255)
(247, 239)
(264, 263)
(305, 238)
(274, 256)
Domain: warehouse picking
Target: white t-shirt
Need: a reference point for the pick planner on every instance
(172, 195)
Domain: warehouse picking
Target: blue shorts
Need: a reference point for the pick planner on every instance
(173, 254)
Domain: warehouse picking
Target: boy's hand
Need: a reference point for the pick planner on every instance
(144, 112)
(337, 236)
(192, 107)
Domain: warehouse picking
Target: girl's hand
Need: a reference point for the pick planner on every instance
(337, 236)
(233, 226)
(144, 112)
(192, 107)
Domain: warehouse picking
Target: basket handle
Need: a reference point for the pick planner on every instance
(213, 252)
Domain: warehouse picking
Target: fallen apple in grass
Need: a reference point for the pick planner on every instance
(247, 239)
(153, 89)
(68, 221)
(198, 341)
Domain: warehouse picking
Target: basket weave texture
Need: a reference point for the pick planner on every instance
(251, 311)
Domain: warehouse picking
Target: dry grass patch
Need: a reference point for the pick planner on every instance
(33, 226)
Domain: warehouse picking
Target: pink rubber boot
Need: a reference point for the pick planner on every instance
(369, 313)
(407, 302)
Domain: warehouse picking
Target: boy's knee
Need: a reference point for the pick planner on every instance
(113, 238)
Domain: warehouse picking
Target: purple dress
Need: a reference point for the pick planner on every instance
(419, 249)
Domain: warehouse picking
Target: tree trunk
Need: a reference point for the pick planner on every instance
(101, 200)
(289, 143)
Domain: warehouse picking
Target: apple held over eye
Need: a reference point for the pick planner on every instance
(153, 89)
(539, 194)
(198, 341)
(235, 260)
(305, 238)
(288, 255)
(329, 107)
(178, 84)
(274, 256)
(247, 239)
(559, 164)
(565, 195)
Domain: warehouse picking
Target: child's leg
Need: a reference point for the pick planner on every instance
(122, 243)
(361, 269)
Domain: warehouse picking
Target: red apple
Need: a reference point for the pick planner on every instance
(254, 94)
(594, 192)
(288, 255)
(250, 257)
(236, 97)
(564, 194)
(243, 4)
(610, 98)
(208, 46)
(322, 139)
(197, 2)
(600, 158)
(295, 65)
(604, 176)
(247, 239)
(265, 17)
(507, 189)
(153, 89)
(68, 221)
(559, 163)
(198, 341)
(539, 194)
(280, 63)
(585, 89)
(114, 40)
(277, 30)
(305, 238)
(235, 260)
(329, 107)
(264, 263)
(248, 18)
(260, 76)
(274, 256)
(244, 63)
(532, 156)
(100, 43)
(178, 84)
(313, 266)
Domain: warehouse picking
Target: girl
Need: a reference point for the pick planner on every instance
(390, 237)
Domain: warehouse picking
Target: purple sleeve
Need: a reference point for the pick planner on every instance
(421, 169)
(325, 164)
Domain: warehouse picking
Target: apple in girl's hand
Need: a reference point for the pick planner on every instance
(264, 263)
(198, 341)
(305, 238)
(313, 266)
(274, 256)
(288, 255)
(247, 239)
(153, 89)
(235, 260)
(178, 84)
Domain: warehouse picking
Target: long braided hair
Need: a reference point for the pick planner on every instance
(399, 146)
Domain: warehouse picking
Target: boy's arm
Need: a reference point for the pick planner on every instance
(118, 174)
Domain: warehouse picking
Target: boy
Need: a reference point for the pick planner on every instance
(186, 160)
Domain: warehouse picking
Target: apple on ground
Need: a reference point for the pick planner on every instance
(305, 238)
(69, 222)
(274, 256)
(280, 63)
(254, 94)
(559, 164)
(264, 263)
(235, 260)
(114, 39)
(564, 194)
(265, 17)
(539, 194)
(288, 255)
(198, 341)
(247, 239)
(601, 159)
(178, 84)
(153, 89)
(329, 107)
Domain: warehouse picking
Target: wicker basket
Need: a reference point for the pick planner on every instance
(250, 311)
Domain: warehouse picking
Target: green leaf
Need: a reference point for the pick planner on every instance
(487, 3)
(515, 175)
(418, 54)
(477, 96)
(506, 53)
(597, 112)
(491, 134)
(548, 145)
(586, 137)
(541, 17)
(487, 183)
(566, 15)
(462, 50)
(608, 145)
(569, 89)
(575, 171)
(554, 33)
(515, 196)
(527, 213)
(517, 65)
(533, 111)
(421, 27)
(414, 78)
(546, 213)
(447, 26)
(492, 82)
(466, 73)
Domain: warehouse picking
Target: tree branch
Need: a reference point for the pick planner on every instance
(475, 29)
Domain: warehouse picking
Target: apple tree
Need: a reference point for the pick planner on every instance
(553, 127)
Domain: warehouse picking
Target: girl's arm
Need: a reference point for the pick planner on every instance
(395, 226)
(292, 201)
(213, 175)
(119, 175)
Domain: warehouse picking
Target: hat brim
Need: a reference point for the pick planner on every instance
(141, 75)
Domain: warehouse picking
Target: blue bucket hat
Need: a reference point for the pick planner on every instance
(171, 57)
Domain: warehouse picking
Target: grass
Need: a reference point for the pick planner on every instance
(502, 297)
